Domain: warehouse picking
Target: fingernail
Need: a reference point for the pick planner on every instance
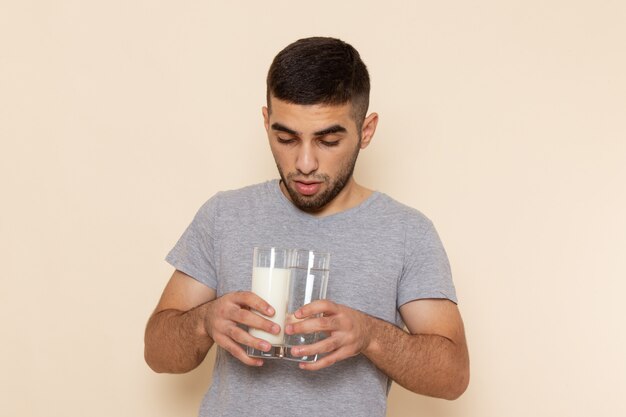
(265, 346)
(276, 329)
(295, 351)
(259, 363)
(269, 311)
(289, 329)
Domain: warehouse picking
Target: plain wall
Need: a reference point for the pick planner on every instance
(503, 121)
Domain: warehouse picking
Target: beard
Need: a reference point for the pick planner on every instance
(333, 187)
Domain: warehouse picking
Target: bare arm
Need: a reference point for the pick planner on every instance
(189, 319)
(432, 359)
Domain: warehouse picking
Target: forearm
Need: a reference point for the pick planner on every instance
(426, 364)
(176, 341)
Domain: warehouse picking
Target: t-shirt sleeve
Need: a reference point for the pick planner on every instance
(426, 272)
(194, 253)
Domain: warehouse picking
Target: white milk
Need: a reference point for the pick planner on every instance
(272, 285)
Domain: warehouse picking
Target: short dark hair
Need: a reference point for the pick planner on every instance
(320, 70)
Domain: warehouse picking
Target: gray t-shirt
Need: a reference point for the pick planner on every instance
(383, 255)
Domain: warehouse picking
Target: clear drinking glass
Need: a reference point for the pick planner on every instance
(270, 281)
(308, 282)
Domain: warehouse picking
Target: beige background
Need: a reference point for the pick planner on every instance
(503, 121)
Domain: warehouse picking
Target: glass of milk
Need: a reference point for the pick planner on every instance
(308, 282)
(270, 280)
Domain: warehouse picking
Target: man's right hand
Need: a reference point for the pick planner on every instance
(225, 313)
(189, 319)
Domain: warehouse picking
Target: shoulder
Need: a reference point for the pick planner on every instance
(390, 209)
(247, 191)
(236, 200)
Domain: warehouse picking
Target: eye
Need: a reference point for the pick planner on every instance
(285, 141)
(329, 144)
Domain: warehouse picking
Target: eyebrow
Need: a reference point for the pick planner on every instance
(330, 130)
(282, 128)
(327, 131)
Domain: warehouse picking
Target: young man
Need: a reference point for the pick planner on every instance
(388, 267)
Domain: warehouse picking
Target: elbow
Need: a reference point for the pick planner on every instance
(458, 384)
(452, 382)
(449, 386)
(156, 359)
(152, 362)
(150, 354)
(459, 376)
(457, 390)
(161, 366)
(161, 363)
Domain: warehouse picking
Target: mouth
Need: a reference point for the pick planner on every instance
(307, 187)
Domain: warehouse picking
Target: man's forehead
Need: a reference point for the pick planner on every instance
(321, 115)
(283, 103)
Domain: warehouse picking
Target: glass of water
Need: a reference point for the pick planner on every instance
(308, 282)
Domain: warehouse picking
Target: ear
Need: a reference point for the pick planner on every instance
(266, 119)
(368, 129)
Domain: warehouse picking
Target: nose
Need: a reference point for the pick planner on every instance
(307, 159)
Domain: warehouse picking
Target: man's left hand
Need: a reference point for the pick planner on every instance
(347, 331)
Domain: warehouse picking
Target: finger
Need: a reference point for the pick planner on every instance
(253, 301)
(256, 321)
(323, 346)
(316, 324)
(316, 307)
(232, 312)
(238, 352)
(241, 336)
(323, 362)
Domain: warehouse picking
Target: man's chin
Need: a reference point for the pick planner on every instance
(308, 203)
